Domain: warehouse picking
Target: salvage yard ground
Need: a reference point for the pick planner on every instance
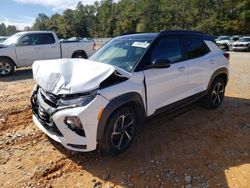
(193, 146)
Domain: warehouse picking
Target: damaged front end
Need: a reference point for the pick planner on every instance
(73, 76)
(69, 83)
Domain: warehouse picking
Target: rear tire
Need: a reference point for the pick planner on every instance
(215, 95)
(7, 67)
(120, 131)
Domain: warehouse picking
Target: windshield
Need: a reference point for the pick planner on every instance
(122, 53)
(244, 39)
(223, 38)
(12, 39)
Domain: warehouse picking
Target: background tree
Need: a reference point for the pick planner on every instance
(108, 18)
(2, 29)
(41, 22)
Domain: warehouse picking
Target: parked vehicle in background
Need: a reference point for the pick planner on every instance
(23, 48)
(233, 39)
(76, 39)
(243, 44)
(3, 38)
(104, 100)
(223, 42)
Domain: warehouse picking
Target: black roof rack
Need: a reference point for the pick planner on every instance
(171, 32)
(187, 32)
(130, 33)
(167, 32)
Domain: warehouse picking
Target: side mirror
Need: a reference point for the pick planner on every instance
(160, 63)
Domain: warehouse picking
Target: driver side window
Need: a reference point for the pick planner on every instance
(168, 49)
(29, 40)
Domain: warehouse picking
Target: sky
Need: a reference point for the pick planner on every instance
(23, 13)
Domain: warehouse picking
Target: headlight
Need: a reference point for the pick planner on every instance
(76, 100)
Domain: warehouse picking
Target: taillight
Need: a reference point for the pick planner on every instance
(94, 46)
(227, 55)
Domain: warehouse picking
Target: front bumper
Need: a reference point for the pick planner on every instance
(53, 125)
(223, 46)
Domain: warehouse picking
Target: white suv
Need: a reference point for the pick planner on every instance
(104, 100)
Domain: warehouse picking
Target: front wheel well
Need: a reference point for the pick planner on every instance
(137, 108)
(223, 76)
(133, 100)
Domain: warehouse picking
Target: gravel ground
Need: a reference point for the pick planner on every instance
(194, 147)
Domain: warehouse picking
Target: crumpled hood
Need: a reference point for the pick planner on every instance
(69, 76)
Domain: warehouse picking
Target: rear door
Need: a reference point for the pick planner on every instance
(49, 46)
(195, 53)
(166, 85)
(28, 49)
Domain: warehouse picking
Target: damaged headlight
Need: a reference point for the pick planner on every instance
(76, 100)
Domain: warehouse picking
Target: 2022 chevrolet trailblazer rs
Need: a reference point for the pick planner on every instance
(104, 100)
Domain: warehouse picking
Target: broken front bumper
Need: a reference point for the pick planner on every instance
(52, 122)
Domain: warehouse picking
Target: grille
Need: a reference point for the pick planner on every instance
(239, 45)
(50, 99)
(43, 115)
(44, 118)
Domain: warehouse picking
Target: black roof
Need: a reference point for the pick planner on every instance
(166, 32)
(139, 36)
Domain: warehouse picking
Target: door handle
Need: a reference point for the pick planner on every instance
(181, 69)
(211, 61)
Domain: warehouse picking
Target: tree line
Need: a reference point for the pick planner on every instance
(108, 18)
(7, 31)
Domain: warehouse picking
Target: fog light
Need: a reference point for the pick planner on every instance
(74, 124)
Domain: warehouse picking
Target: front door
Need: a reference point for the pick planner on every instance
(166, 85)
(28, 50)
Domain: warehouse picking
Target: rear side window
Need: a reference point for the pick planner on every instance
(46, 38)
(167, 48)
(194, 47)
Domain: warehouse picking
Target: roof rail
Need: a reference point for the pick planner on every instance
(130, 33)
(165, 32)
(188, 32)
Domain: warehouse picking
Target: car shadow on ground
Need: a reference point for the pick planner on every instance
(206, 144)
(20, 74)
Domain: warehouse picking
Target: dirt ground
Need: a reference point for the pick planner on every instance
(193, 147)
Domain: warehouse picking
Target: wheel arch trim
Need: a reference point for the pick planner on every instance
(116, 103)
(218, 72)
(7, 57)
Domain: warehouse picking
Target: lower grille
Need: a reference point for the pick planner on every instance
(51, 127)
(44, 118)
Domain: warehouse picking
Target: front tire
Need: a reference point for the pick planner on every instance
(6, 67)
(121, 130)
(215, 95)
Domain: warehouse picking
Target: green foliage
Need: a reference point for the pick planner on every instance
(7, 31)
(108, 18)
